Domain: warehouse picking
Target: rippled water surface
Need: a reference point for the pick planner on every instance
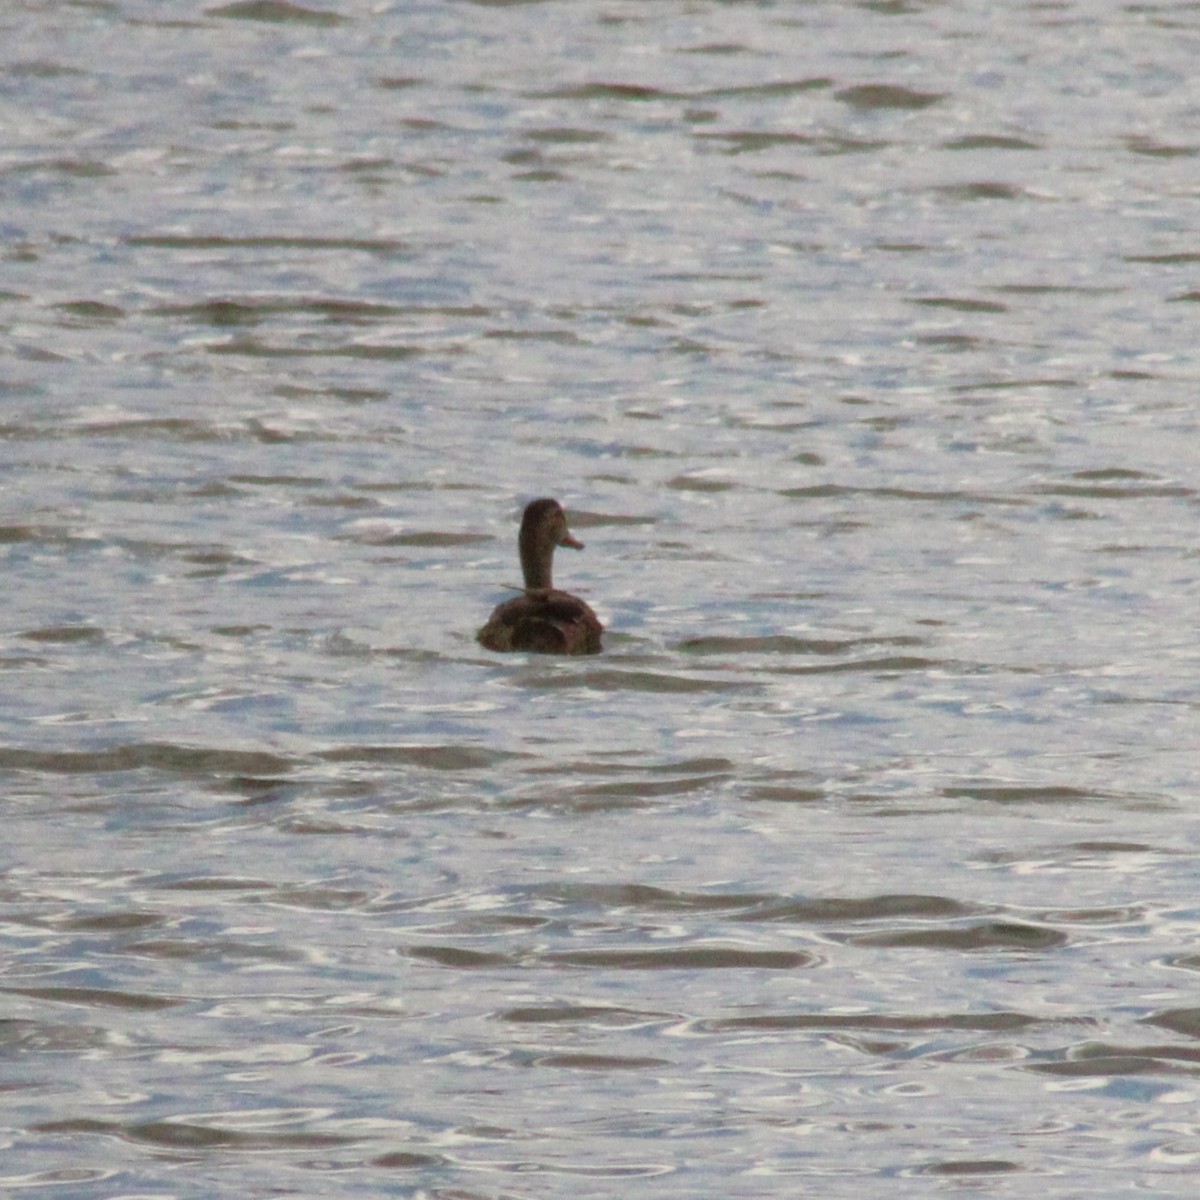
(859, 341)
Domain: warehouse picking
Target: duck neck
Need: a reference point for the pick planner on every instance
(536, 558)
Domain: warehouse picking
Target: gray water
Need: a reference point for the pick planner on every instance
(859, 341)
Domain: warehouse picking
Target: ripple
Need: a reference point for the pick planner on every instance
(599, 1016)
(785, 644)
(276, 12)
(613, 680)
(1109, 491)
(229, 312)
(212, 950)
(254, 347)
(65, 634)
(960, 304)
(174, 241)
(826, 491)
(685, 958)
(988, 935)
(176, 759)
(180, 1133)
(456, 956)
(983, 190)
(1023, 794)
(609, 91)
(1185, 1021)
(882, 95)
(599, 1062)
(646, 788)
(960, 1167)
(840, 325)
(436, 758)
(990, 141)
(91, 997)
(986, 1022)
(1106, 1059)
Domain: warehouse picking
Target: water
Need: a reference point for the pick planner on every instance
(858, 341)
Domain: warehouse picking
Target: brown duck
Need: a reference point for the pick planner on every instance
(543, 619)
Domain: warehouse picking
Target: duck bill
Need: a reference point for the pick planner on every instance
(573, 542)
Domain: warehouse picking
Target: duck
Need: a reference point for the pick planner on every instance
(542, 619)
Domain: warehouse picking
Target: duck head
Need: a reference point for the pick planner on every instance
(543, 527)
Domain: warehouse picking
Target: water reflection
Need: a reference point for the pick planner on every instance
(859, 336)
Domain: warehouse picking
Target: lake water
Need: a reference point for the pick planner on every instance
(859, 341)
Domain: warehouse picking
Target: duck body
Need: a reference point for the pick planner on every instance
(543, 619)
(550, 622)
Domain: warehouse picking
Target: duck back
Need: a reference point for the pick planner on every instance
(544, 622)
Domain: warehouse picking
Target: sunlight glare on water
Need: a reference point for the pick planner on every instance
(857, 341)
